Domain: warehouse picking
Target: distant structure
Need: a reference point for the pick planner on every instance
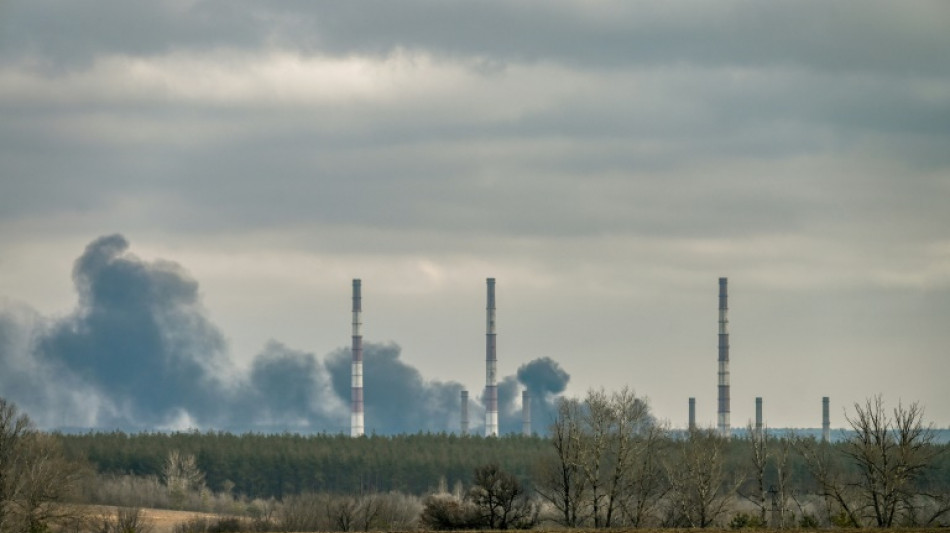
(464, 412)
(525, 413)
(723, 413)
(692, 414)
(826, 419)
(758, 417)
(491, 364)
(356, 416)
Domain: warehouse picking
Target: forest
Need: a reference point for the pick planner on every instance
(604, 462)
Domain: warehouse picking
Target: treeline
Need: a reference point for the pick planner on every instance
(605, 462)
(275, 466)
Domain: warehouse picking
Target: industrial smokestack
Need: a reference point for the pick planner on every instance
(692, 414)
(723, 418)
(491, 363)
(758, 417)
(464, 412)
(825, 419)
(525, 413)
(356, 417)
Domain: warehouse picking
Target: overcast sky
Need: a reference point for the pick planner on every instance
(606, 162)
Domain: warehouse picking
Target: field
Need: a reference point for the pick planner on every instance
(164, 521)
(160, 520)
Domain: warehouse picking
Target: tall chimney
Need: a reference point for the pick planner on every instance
(525, 413)
(692, 414)
(464, 412)
(356, 417)
(825, 419)
(758, 417)
(491, 363)
(723, 418)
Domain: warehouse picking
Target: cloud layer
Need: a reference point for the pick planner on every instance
(606, 163)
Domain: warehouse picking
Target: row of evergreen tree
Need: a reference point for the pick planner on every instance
(265, 466)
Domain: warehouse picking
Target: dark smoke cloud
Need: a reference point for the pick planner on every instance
(289, 390)
(138, 337)
(545, 380)
(397, 399)
(543, 377)
(138, 352)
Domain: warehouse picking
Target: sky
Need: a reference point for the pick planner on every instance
(188, 187)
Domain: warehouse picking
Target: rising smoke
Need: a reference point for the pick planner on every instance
(139, 352)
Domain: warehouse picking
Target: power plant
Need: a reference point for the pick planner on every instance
(356, 417)
(490, 397)
(491, 364)
(723, 413)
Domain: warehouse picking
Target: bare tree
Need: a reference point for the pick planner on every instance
(35, 477)
(125, 520)
(647, 484)
(501, 498)
(44, 480)
(182, 476)
(781, 449)
(758, 455)
(628, 418)
(597, 426)
(891, 453)
(835, 485)
(605, 468)
(562, 482)
(14, 429)
(700, 491)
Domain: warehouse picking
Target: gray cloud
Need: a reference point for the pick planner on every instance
(610, 158)
(871, 36)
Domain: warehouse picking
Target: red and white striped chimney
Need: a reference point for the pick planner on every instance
(491, 367)
(356, 416)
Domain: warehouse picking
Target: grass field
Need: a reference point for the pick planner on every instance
(164, 521)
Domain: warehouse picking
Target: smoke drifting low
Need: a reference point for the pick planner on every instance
(138, 352)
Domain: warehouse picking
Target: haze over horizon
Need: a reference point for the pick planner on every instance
(238, 164)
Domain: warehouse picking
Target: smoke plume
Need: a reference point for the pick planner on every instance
(138, 352)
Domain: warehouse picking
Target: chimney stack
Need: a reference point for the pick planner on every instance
(464, 412)
(825, 419)
(692, 414)
(758, 417)
(356, 416)
(491, 363)
(525, 413)
(723, 418)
